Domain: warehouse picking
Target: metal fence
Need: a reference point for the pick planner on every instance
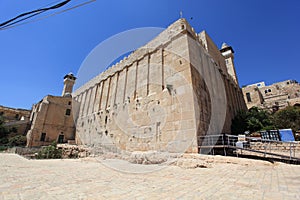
(251, 146)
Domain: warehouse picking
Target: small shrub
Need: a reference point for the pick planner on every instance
(3, 148)
(3, 141)
(13, 130)
(50, 152)
(18, 140)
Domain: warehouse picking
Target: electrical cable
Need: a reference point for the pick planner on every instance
(34, 12)
(50, 15)
(8, 25)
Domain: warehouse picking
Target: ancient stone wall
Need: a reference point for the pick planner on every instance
(15, 118)
(219, 98)
(286, 149)
(12, 114)
(52, 117)
(161, 97)
(273, 97)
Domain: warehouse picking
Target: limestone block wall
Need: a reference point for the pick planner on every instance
(286, 149)
(212, 49)
(15, 118)
(21, 126)
(161, 97)
(49, 116)
(218, 97)
(12, 114)
(256, 98)
(146, 106)
(276, 96)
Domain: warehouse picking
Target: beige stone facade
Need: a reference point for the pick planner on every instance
(162, 97)
(272, 97)
(52, 118)
(17, 118)
(13, 114)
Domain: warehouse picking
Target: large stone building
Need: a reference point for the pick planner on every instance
(14, 114)
(15, 118)
(272, 97)
(52, 118)
(164, 96)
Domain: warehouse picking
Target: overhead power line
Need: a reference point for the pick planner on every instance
(35, 11)
(14, 22)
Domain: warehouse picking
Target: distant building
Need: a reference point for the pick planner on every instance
(272, 97)
(15, 117)
(13, 114)
(52, 119)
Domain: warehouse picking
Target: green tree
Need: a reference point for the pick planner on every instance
(3, 130)
(255, 119)
(258, 119)
(287, 118)
(239, 123)
(18, 140)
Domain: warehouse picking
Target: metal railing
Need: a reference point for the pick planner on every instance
(251, 146)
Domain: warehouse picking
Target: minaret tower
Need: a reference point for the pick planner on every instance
(228, 54)
(69, 81)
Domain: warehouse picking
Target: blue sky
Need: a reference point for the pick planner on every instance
(35, 56)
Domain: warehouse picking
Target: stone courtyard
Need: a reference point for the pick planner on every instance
(90, 178)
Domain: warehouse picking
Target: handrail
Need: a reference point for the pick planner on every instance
(230, 141)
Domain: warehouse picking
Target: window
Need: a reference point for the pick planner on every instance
(43, 137)
(267, 91)
(17, 116)
(60, 138)
(106, 120)
(248, 97)
(68, 112)
(69, 103)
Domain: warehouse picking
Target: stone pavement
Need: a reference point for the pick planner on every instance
(227, 178)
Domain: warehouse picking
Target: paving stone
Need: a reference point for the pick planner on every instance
(90, 179)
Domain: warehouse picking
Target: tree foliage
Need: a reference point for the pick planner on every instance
(18, 140)
(8, 137)
(50, 152)
(255, 119)
(239, 123)
(3, 130)
(288, 118)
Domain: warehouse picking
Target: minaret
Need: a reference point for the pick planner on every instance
(69, 81)
(228, 54)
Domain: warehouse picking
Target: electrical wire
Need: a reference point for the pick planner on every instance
(33, 13)
(8, 25)
(36, 11)
(53, 14)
